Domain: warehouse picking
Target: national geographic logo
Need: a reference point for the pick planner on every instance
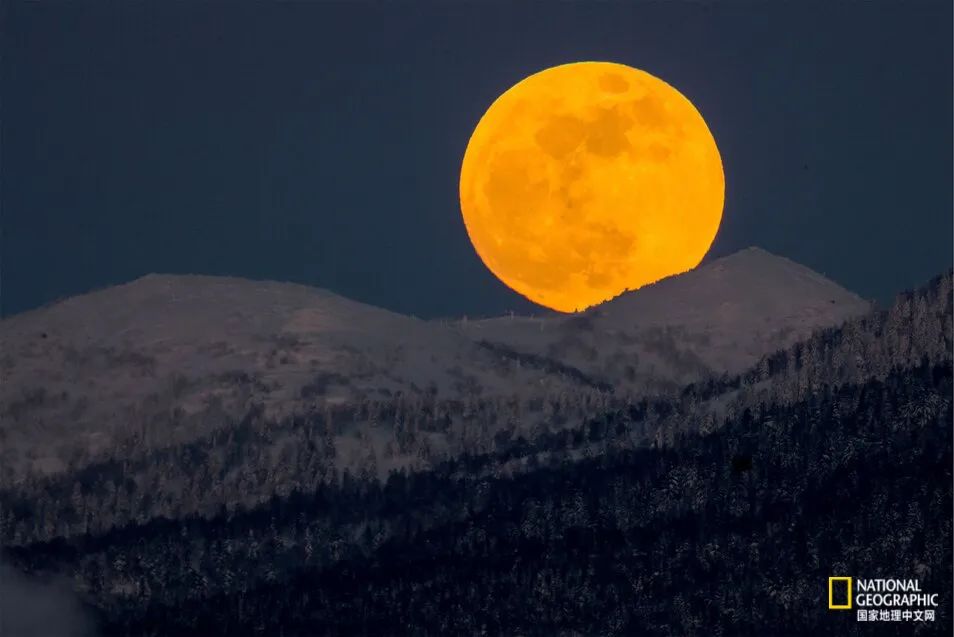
(839, 593)
(882, 599)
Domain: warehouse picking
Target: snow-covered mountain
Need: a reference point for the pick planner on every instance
(191, 352)
(176, 356)
(721, 317)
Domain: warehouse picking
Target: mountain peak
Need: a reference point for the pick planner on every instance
(754, 251)
(748, 292)
(753, 256)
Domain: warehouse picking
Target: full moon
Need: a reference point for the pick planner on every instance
(588, 179)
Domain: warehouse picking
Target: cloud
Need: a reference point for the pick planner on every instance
(34, 607)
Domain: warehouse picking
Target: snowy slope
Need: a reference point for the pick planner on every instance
(720, 317)
(174, 356)
(182, 354)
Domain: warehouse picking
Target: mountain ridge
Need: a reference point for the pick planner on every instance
(257, 457)
(177, 354)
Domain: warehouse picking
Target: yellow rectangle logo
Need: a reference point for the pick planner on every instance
(831, 596)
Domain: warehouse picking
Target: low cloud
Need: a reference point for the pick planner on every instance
(35, 607)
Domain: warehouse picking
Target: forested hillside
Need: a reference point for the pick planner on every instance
(730, 533)
(720, 509)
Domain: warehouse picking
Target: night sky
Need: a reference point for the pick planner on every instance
(321, 142)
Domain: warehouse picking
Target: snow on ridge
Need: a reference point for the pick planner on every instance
(720, 317)
(749, 285)
(130, 355)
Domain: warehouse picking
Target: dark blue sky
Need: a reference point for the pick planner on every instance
(321, 142)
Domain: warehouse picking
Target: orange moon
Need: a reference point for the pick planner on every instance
(588, 179)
